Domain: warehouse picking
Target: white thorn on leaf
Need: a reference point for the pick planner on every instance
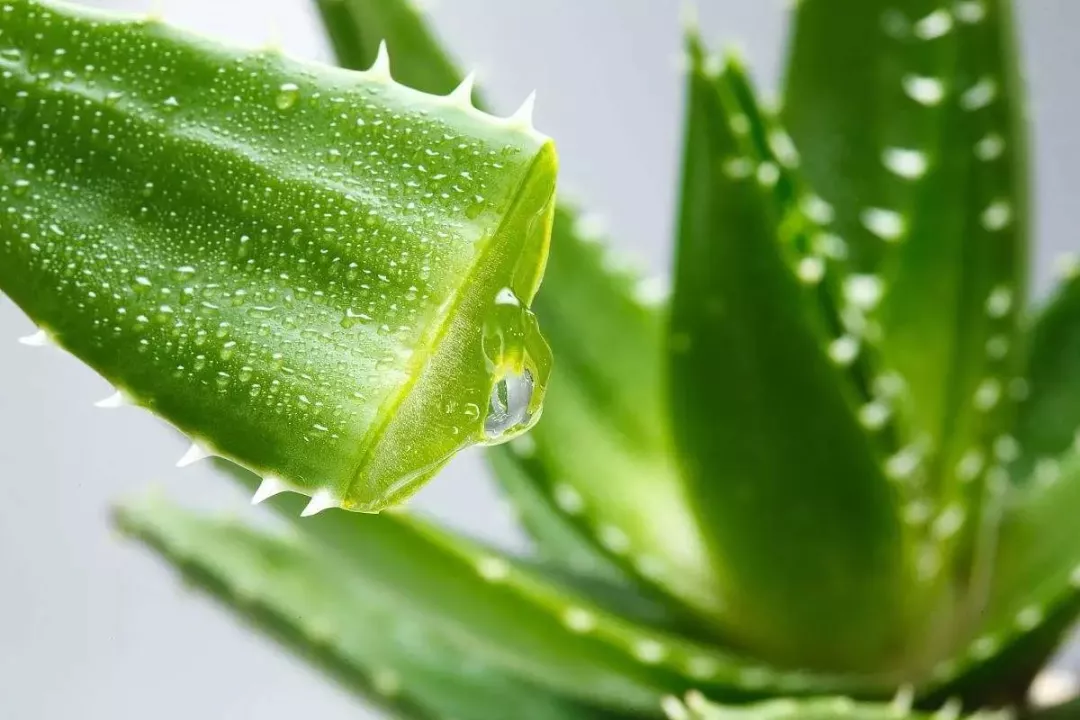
(194, 454)
(268, 488)
(903, 700)
(321, 500)
(462, 94)
(950, 710)
(696, 701)
(117, 400)
(381, 67)
(673, 708)
(39, 339)
(1053, 687)
(523, 116)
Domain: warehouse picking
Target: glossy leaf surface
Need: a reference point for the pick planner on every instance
(328, 284)
(358, 630)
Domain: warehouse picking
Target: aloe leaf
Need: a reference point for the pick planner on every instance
(557, 539)
(697, 707)
(599, 468)
(1034, 593)
(357, 631)
(909, 124)
(319, 274)
(765, 427)
(1048, 418)
(548, 631)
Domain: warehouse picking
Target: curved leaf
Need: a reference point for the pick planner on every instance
(1034, 593)
(317, 273)
(355, 630)
(545, 630)
(1049, 417)
(823, 708)
(778, 468)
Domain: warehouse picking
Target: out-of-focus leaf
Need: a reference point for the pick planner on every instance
(359, 631)
(1049, 417)
(908, 121)
(328, 284)
(1034, 593)
(825, 708)
(539, 626)
(777, 467)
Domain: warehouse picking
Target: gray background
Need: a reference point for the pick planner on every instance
(91, 627)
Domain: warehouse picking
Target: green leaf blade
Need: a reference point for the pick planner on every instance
(1049, 417)
(290, 263)
(782, 475)
(356, 631)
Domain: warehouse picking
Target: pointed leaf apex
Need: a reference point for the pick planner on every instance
(524, 114)
(194, 454)
(268, 488)
(689, 17)
(462, 94)
(321, 500)
(381, 67)
(39, 339)
(117, 400)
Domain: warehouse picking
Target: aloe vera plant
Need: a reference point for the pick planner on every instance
(832, 476)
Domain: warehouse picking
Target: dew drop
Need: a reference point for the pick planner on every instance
(287, 96)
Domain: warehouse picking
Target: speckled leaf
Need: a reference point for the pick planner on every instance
(908, 120)
(596, 475)
(1034, 594)
(779, 470)
(359, 632)
(825, 708)
(317, 273)
(536, 626)
(1049, 417)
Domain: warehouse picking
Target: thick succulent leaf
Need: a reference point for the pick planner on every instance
(358, 631)
(596, 473)
(909, 125)
(318, 273)
(536, 625)
(1034, 594)
(1048, 418)
(822, 708)
(778, 468)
